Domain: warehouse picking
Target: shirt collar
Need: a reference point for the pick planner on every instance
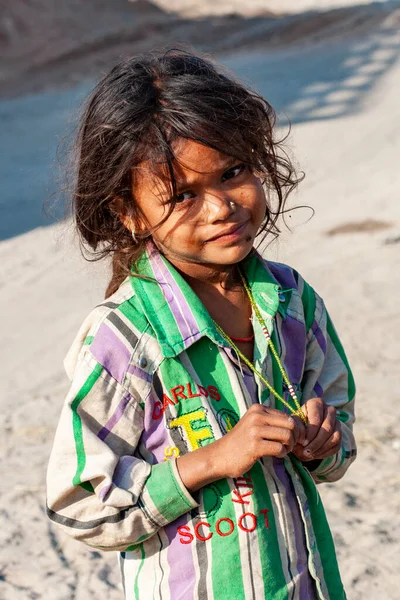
(175, 312)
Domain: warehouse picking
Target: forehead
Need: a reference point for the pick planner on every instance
(198, 158)
(193, 162)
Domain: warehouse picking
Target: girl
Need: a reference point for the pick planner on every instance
(209, 391)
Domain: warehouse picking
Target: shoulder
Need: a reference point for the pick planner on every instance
(110, 334)
(286, 276)
(303, 296)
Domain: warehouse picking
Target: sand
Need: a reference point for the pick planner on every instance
(342, 97)
(43, 44)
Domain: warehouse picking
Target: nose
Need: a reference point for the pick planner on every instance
(218, 207)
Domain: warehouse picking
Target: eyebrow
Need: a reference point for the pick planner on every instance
(184, 183)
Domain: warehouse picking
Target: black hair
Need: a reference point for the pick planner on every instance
(137, 113)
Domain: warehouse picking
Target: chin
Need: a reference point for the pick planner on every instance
(232, 255)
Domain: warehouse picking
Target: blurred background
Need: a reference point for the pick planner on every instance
(331, 68)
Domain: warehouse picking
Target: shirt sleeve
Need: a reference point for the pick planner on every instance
(327, 375)
(99, 489)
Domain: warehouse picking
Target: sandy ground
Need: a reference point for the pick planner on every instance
(342, 98)
(254, 7)
(43, 43)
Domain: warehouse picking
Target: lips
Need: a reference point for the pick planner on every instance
(236, 228)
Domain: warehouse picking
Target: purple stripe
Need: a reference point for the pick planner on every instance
(113, 420)
(305, 582)
(294, 336)
(135, 370)
(283, 274)
(110, 352)
(155, 436)
(319, 336)
(181, 579)
(179, 306)
(104, 491)
(125, 464)
(318, 389)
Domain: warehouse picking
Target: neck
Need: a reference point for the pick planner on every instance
(222, 282)
(222, 279)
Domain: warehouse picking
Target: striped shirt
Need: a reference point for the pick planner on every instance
(152, 379)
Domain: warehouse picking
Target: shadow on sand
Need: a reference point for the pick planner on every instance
(314, 79)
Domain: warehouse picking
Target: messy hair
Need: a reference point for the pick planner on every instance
(138, 112)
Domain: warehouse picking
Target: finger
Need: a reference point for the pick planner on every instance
(300, 430)
(315, 410)
(276, 449)
(332, 444)
(333, 450)
(298, 451)
(278, 434)
(325, 432)
(278, 418)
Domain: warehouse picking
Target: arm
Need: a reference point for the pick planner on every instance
(98, 490)
(327, 374)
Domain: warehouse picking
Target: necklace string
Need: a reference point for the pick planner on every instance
(298, 411)
(245, 339)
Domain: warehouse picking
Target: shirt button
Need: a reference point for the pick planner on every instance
(282, 298)
(143, 362)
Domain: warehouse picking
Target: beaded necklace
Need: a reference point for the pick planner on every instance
(298, 411)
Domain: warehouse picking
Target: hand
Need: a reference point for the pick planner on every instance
(323, 435)
(260, 432)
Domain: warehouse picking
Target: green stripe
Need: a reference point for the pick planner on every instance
(166, 493)
(88, 340)
(342, 415)
(134, 547)
(271, 561)
(155, 306)
(132, 312)
(339, 349)
(309, 302)
(227, 583)
(342, 459)
(275, 584)
(323, 536)
(138, 573)
(278, 380)
(77, 422)
(86, 485)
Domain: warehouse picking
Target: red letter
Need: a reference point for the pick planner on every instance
(214, 394)
(166, 401)
(218, 529)
(203, 391)
(239, 497)
(157, 410)
(265, 512)
(178, 394)
(243, 482)
(242, 517)
(185, 532)
(200, 537)
(190, 393)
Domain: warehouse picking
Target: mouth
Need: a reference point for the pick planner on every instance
(231, 233)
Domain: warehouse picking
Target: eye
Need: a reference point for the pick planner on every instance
(233, 172)
(183, 196)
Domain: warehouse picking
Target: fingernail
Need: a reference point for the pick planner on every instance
(304, 443)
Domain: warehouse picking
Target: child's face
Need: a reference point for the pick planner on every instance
(221, 205)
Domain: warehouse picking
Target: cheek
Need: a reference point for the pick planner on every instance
(256, 202)
(175, 232)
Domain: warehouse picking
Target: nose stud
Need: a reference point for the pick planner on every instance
(232, 204)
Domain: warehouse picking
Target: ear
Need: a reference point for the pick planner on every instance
(119, 209)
